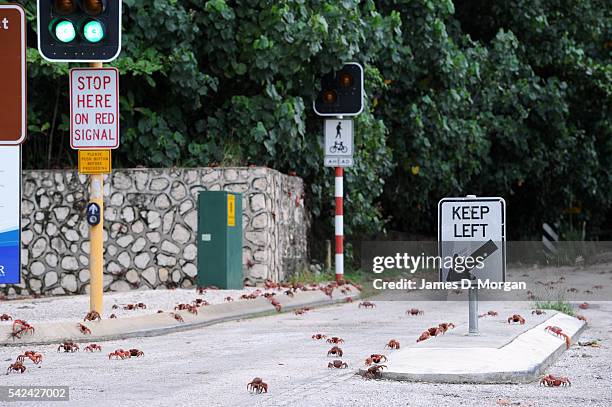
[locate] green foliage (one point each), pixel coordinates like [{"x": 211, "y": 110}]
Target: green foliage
[
  {"x": 498, "y": 95},
  {"x": 507, "y": 98},
  {"x": 558, "y": 305}
]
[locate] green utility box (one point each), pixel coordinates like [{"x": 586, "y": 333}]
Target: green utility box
[{"x": 220, "y": 240}]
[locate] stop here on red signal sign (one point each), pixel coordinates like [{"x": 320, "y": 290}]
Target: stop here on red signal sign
[{"x": 94, "y": 108}]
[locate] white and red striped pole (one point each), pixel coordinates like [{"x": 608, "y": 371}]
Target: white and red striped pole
[{"x": 339, "y": 223}]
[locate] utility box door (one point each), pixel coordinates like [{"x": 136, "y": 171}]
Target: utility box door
[{"x": 220, "y": 239}]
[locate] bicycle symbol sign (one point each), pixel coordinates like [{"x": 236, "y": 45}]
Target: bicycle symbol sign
[
  {"x": 338, "y": 142},
  {"x": 338, "y": 147}
]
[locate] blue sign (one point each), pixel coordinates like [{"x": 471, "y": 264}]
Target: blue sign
[
  {"x": 10, "y": 215},
  {"x": 93, "y": 214}
]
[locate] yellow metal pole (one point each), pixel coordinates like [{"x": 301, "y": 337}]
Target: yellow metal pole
[{"x": 96, "y": 239}]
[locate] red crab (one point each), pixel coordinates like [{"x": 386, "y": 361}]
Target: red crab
[
  {"x": 337, "y": 364},
  {"x": 301, "y": 311},
  {"x": 120, "y": 353},
  {"x": 581, "y": 317},
  {"x": 92, "y": 316},
  {"x": 6, "y": 317},
  {"x": 584, "y": 305},
  {"x": 113, "y": 316},
  {"x": 131, "y": 307},
  {"x": 555, "y": 381},
  {"x": 136, "y": 353},
  {"x": 327, "y": 290},
  {"x": 191, "y": 308},
  {"x": 228, "y": 299},
  {"x": 289, "y": 293},
  {"x": 538, "y": 312},
  {"x": 93, "y": 347},
  {"x": 271, "y": 285},
  {"x": 32, "y": 355},
  {"x": 415, "y": 311},
  {"x": 489, "y": 314},
  {"x": 516, "y": 318},
  {"x": 375, "y": 358},
  {"x": 199, "y": 302},
  {"x": 335, "y": 351},
  {"x": 335, "y": 340},
  {"x": 373, "y": 372},
  {"x": 559, "y": 332},
  {"x": 318, "y": 337},
  {"x": 434, "y": 331},
  {"x": 84, "y": 330},
  {"x": 68, "y": 347},
  {"x": 257, "y": 385},
  {"x": 393, "y": 344},
  {"x": 251, "y": 296},
  {"x": 177, "y": 317},
  {"x": 20, "y": 327},
  {"x": 16, "y": 367},
  {"x": 445, "y": 326},
  {"x": 424, "y": 336},
  {"x": 348, "y": 299},
  {"x": 276, "y": 304},
  {"x": 367, "y": 304}
]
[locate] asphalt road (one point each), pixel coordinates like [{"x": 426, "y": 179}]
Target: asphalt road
[{"x": 212, "y": 366}]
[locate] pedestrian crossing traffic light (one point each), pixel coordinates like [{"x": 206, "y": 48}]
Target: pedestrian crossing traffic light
[
  {"x": 341, "y": 92},
  {"x": 79, "y": 30}
]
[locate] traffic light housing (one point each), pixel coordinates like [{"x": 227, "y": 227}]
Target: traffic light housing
[
  {"x": 341, "y": 92},
  {"x": 79, "y": 30}
]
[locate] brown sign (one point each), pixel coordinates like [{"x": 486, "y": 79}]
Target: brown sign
[{"x": 12, "y": 74}]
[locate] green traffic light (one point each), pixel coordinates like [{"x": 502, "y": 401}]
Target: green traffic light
[
  {"x": 64, "y": 31},
  {"x": 93, "y": 31}
]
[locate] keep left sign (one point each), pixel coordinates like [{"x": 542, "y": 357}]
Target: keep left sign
[{"x": 94, "y": 108}]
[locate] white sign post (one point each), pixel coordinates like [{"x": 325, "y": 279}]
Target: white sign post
[
  {"x": 10, "y": 214},
  {"x": 339, "y": 142},
  {"x": 94, "y": 108},
  {"x": 472, "y": 231}
]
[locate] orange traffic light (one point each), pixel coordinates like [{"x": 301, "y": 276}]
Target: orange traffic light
[
  {"x": 345, "y": 80},
  {"x": 64, "y": 6},
  {"x": 94, "y": 7},
  {"x": 330, "y": 96},
  {"x": 341, "y": 92}
]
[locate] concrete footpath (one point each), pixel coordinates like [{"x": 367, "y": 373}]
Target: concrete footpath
[
  {"x": 501, "y": 353},
  {"x": 154, "y": 324}
]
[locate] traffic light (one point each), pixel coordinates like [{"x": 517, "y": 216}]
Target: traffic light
[
  {"x": 341, "y": 92},
  {"x": 79, "y": 30}
]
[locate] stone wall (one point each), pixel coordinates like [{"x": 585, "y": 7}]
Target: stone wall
[{"x": 150, "y": 227}]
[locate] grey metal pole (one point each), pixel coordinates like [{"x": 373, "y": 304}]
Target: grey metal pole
[
  {"x": 473, "y": 294},
  {"x": 473, "y": 300}
]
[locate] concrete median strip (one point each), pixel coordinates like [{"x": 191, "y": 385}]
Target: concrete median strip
[
  {"x": 489, "y": 359},
  {"x": 165, "y": 323}
]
